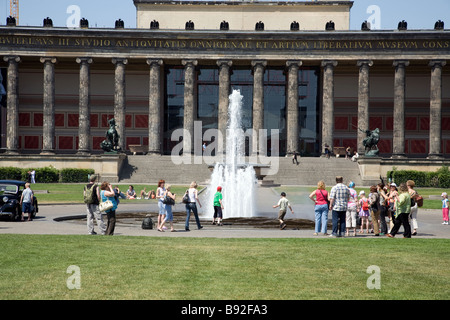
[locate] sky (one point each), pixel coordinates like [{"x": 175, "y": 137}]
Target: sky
[{"x": 384, "y": 14}]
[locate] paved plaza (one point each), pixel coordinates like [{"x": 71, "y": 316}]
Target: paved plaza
[{"x": 429, "y": 222}]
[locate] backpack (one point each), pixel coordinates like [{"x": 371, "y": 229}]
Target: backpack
[
  {"x": 147, "y": 223},
  {"x": 88, "y": 194},
  {"x": 365, "y": 205}
]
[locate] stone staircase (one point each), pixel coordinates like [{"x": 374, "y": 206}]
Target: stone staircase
[
  {"x": 149, "y": 169},
  {"x": 311, "y": 170}
]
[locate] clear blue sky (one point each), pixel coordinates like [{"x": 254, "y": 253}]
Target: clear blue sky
[{"x": 419, "y": 14}]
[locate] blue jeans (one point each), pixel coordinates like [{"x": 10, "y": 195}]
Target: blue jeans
[
  {"x": 191, "y": 206},
  {"x": 321, "y": 218},
  {"x": 169, "y": 215},
  {"x": 338, "y": 219}
]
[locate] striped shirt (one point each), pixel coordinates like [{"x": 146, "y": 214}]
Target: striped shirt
[{"x": 341, "y": 194}]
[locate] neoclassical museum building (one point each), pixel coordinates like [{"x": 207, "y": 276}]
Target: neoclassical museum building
[{"x": 298, "y": 65}]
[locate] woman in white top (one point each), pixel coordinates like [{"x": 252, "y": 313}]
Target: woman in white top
[
  {"x": 160, "y": 192},
  {"x": 192, "y": 206}
]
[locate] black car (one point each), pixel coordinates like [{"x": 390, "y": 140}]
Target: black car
[{"x": 10, "y": 193}]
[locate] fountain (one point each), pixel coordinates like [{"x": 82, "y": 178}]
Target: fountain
[{"x": 237, "y": 178}]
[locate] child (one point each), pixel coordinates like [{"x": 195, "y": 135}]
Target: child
[
  {"x": 364, "y": 211},
  {"x": 218, "y": 207},
  {"x": 445, "y": 207},
  {"x": 283, "y": 203}
]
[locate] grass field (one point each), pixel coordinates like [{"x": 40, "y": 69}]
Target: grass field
[
  {"x": 35, "y": 267},
  {"x": 48, "y": 193}
]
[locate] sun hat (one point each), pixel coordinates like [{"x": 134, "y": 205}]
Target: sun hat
[
  {"x": 362, "y": 192},
  {"x": 219, "y": 188},
  {"x": 443, "y": 194},
  {"x": 351, "y": 184},
  {"x": 393, "y": 185}
]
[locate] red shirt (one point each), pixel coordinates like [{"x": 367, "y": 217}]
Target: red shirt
[{"x": 321, "y": 199}]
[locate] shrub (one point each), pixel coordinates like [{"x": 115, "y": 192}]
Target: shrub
[
  {"x": 438, "y": 179},
  {"x": 75, "y": 175},
  {"x": 10, "y": 173},
  {"x": 46, "y": 175}
]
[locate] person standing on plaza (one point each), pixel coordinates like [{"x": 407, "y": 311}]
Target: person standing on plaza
[
  {"x": 26, "y": 201},
  {"x": 320, "y": 198},
  {"x": 352, "y": 210},
  {"x": 169, "y": 210},
  {"x": 444, "y": 208},
  {"x": 192, "y": 205},
  {"x": 339, "y": 196},
  {"x": 374, "y": 202},
  {"x": 402, "y": 211},
  {"x": 283, "y": 204},
  {"x": 414, "y": 206},
  {"x": 107, "y": 193},
  {"x": 364, "y": 211},
  {"x": 383, "y": 208},
  {"x": 218, "y": 207},
  {"x": 160, "y": 192},
  {"x": 91, "y": 198}
]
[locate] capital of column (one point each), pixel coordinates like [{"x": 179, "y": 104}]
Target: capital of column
[
  {"x": 8, "y": 59},
  {"x": 294, "y": 63},
  {"x": 189, "y": 62},
  {"x": 329, "y": 63},
  {"x": 400, "y": 63},
  {"x": 52, "y": 60},
  {"x": 224, "y": 63},
  {"x": 84, "y": 60},
  {"x": 119, "y": 61},
  {"x": 437, "y": 63},
  {"x": 362, "y": 63},
  {"x": 260, "y": 63},
  {"x": 152, "y": 62}
]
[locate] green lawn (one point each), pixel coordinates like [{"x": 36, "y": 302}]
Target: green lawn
[
  {"x": 48, "y": 193},
  {"x": 120, "y": 267}
]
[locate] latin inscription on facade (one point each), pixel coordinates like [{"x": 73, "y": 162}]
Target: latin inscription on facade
[{"x": 192, "y": 45}]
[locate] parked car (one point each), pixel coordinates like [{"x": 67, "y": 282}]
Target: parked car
[{"x": 10, "y": 193}]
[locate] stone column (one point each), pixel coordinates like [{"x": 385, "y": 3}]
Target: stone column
[
  {"x": 154, "y": 107},
  {"x": 399, "y": 109},
  {"x": 224, "y": 101},
  {"x": 292, "y": 106},
  {"x": 435, "y": 151},
  {"x": 12, "y": 116},
  {"x": 363, "y": 103},
  {"x": 84, "y": 130},
  {"x": 258, "y": 105},
  {"x": 120, "y": 99},
  {"x": 189, "y": 104},
  {"x": 328, "y": 103},
  {"x": 48, "y": 136}
]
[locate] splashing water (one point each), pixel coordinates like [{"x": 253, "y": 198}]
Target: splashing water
[{"x": 237, "y": 178}]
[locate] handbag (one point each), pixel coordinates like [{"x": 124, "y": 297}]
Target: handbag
[
  {"x": 168, "y": 200},
  {"x": 186, "y": 197},
  {"x": 105, "y": 205}
]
